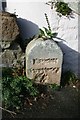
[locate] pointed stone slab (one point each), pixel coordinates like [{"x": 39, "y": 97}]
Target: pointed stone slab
[{"x": 44, "y": 61}]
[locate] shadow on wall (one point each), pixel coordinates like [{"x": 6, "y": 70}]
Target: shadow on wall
[
  {"x": 27, "y": 28},
  {"x": 4, "y": 5},
  {"x": 71, "y": 59}
]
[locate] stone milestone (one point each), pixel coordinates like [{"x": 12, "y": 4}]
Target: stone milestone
[{"x": 44, "y": 61}]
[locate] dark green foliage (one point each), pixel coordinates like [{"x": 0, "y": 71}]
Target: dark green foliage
[
  {"x": 42, "y": 33},
  {"x": 47, "y": 34},
  {"x": 7, "y": 72},
  {"x": 54, "y": 86},
  {"x": 15, "y": 89},
  {"x": 68, "y": 77},
  {"x": 63, "y": 9}
]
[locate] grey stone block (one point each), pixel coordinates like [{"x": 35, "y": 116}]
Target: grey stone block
[{"x": 44, "y": 61}]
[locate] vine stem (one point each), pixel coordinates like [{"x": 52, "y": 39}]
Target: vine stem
[
  {"x": 11, "y": 112},
  {"x": 47, "y": 22},
  {"x": 76, "y": 12}
]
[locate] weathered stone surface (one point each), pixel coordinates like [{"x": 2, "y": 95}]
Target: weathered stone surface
[
  {"x": 13, "y": 57},
  {"x": 44, "y": 61},
  {"x": 10, "y": 50},
  {"x": 9, "y": 30}
]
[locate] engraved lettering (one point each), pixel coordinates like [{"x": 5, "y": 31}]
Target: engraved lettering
[{"x": 33, "y": 61}]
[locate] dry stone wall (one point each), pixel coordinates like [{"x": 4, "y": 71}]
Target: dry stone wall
[
  {"x": 11, "y": 52},
  {"x": 10, "y": 30}
]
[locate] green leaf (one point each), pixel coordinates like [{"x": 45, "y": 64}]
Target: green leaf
[
  {"x": 46, "y": 30},
  {"x": 41, "y": 32},
  {"x": 13, "y": 87},
  {"x": 54, "y": 35}
]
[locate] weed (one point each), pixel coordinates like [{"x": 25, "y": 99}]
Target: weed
[
  {"x": 63, "y": 9},
  {"x": 47, "y": 32},
  {"x": 54, "y": 86},
  {"x": 15, "y": 89},
  {"x": 68, "y": 77}
]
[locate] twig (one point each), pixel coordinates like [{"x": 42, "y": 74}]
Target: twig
[
  {"x": 29, "y": 102},
  {"x": 8, "y": 111},
  {"x": 76, "y": 12}
]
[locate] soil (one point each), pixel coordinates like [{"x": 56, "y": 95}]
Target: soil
[{"x": 61, "y": 103}]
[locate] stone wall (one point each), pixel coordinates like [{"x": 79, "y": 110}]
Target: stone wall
[
  {"x": 11, "y": 52},
  {"x": 10, "y": 30}
]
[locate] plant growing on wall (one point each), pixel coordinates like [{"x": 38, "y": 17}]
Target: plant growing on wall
[
  {"x": 47, "y": 32},
  {"x": 61, "y": 7}
]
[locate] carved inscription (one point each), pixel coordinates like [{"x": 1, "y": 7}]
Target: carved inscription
[
  {"x": 45, "y": 63},
  {"x": 44, "y": 69},
  {"x": 56, "y": 69},
  {"x": 53, "y": 60}
]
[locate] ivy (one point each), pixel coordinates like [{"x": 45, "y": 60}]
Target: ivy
[{"x": 63, "y": 8}]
